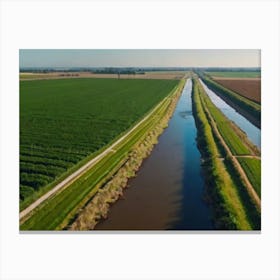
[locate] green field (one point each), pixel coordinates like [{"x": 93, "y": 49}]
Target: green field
[
  {"x": 235, "y": 74},
  {"x": 65, "y": 122},
  {"x": 252, "y": 167},
  {"x": 57, "y": 211}
]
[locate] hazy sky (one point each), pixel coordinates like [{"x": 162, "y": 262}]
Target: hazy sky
[{"x": 139, "y": 58}]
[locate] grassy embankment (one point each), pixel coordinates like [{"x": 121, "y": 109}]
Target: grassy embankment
[
  {"x": 233, "y": 206},
  {"x": 248, "y": 108},
  {"x": 59, "y": 210},
  {"x": 98, "y": 207},
  {"x": 65, "y": 123}
]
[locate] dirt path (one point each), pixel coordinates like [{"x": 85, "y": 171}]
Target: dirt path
[
  {"x": 248, "y": 156},
  {"x": 243, "y": 175},
  {"x": 74, "y": 176}
]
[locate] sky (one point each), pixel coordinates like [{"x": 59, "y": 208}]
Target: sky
[{"x": 138, "y": 58}]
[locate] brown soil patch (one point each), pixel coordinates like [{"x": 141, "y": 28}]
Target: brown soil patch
[{"x": 247, "y": 87}]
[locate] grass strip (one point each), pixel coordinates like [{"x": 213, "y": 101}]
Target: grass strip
[
  {"x": 235, "y": 74},
  {"x": 252, "y": 167}
]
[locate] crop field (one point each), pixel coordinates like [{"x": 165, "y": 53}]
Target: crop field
[
  {"x": 65, "y": 122},
  {"x": 252, "y": 166},
  {"x": 57, "y": 211},
  {"x": 235, "y": 74},
  {"x": 249, "y": 88}
]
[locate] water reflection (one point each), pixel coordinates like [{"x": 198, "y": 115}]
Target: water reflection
[
  {"x": 253, "y": 133},
  {"x": 167, "y": 192}
]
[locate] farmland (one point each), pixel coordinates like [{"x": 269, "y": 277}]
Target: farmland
[
  {"x": 235, "y": 74},
  {"x": 159, "y": 75},
  {"x": 252, "y": 166},
  {"x": 249, "y": 88},
  {"x": 66, "y": 122},
  {"x": 100, "y": 131},
  {"x": 234, "y": 200},
  {"x": 248, "y": 108},
  {"x": 60, "y": 209}
]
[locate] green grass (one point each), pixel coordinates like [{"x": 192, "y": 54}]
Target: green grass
[
  {"x": 252, "y": 167},
  {"x": 229, "y": 212},
  {"x": 58, "y": 210},
  {"x": 235, "y": 74},
  {"x": 65, "y": 122},
  {"x": 236, "y": 145}
]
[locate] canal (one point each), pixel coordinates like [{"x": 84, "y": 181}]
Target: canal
[
  {"x": 168, "y": 191},
  {"x": 253, "y": 132}
]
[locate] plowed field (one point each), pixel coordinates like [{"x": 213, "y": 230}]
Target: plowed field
[{"x": 249, "y": 88}]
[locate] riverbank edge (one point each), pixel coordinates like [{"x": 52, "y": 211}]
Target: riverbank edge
[
  {"x": 216, "y": 174},
  {"x": 99, "y": 206},
  {"x": 240, "y": 104}
]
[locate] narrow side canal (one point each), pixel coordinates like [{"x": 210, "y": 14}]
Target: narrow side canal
[{"x": 253, "y": 132}]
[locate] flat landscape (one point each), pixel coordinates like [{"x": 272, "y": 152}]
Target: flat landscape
[
  {"x": 158, "y": 75},
  {"x": 235, "y": 74},
  {"x": 239, "y": 100},
  {"x": 247, "y": 84},
  {"x": 247, "y": 87},
  {"x": 139, "y": 148},
  {"x": 64, "y": 123}
]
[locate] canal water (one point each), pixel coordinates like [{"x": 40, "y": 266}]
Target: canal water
[
  {"x": 253, "y": 132},
  {"x": 168, "y": 191}
]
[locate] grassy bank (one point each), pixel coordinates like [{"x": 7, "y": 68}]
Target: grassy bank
[
  {"x": 232, "y": 205},
  {"x": 251, "y": 110},
  {"x": 98, "y": 207},
  {"x": 59, "y": 210}
]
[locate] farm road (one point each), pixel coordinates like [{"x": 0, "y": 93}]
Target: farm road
[{"x": 74, "y": 176}]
